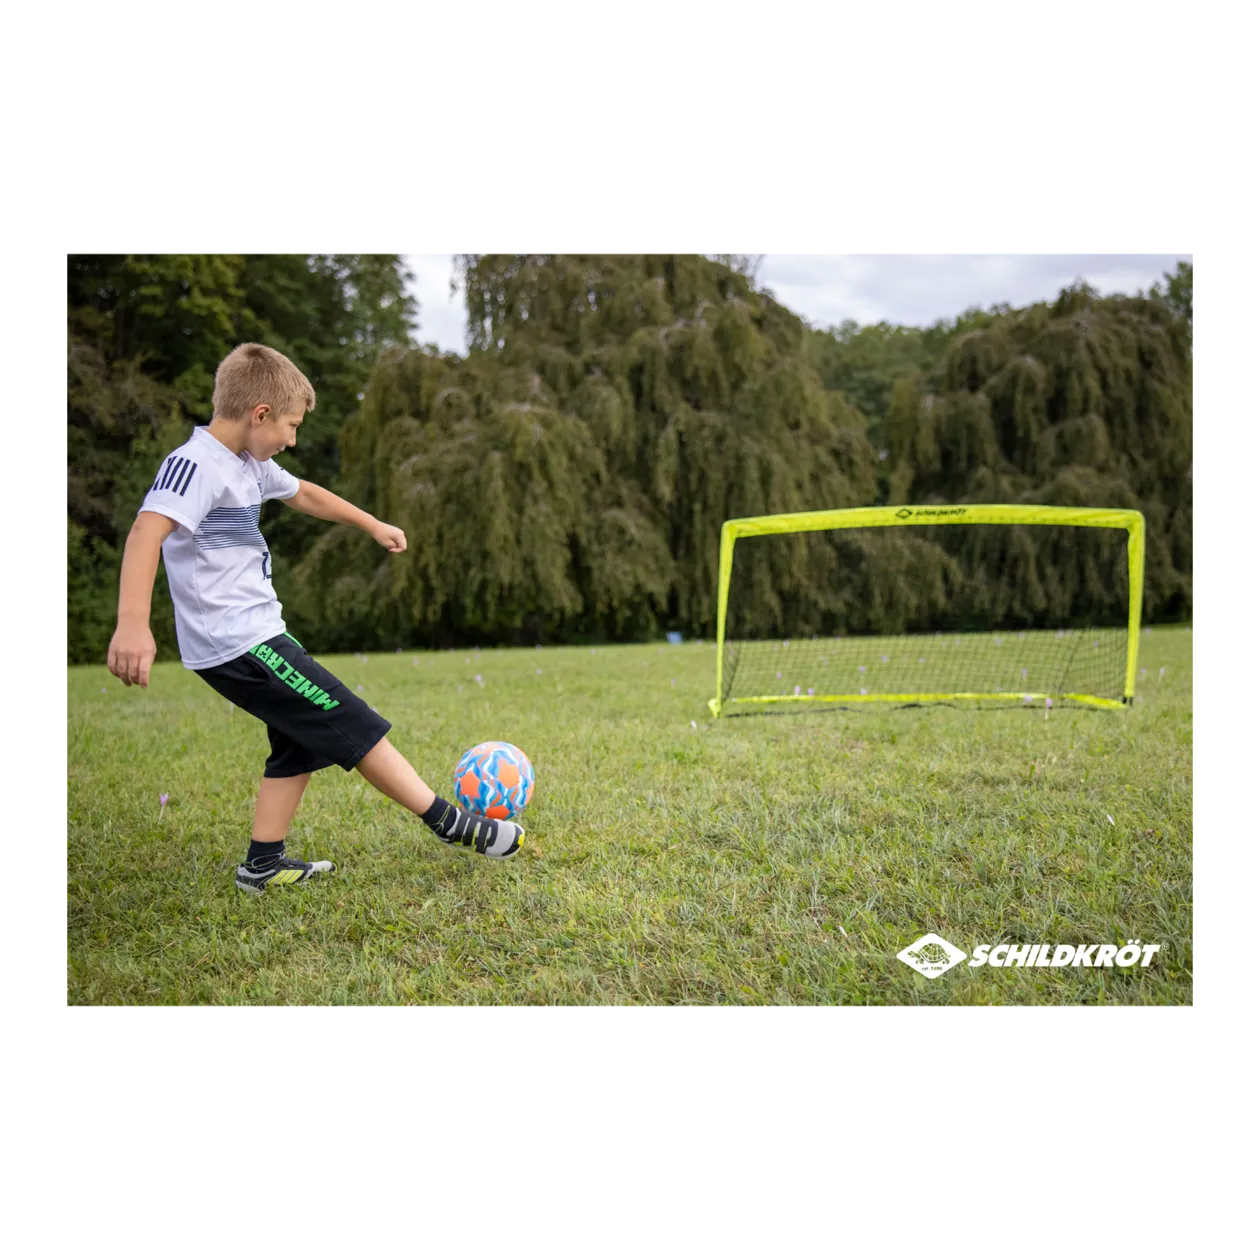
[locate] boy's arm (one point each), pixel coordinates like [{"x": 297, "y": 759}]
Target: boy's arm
[
  {"x": 316, "y": 501},
  {"x": 131, "y": 651}
]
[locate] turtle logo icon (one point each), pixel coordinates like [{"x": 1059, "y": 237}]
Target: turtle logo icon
[
  {"x": 903, "y": 513},
  {"x": 931, "y": 955}
]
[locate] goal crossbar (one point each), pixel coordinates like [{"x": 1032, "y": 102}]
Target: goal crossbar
[{"x": 1131, "y": 521}]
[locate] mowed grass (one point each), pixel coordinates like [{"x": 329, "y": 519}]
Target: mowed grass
[{"x": 777, "y": 859}]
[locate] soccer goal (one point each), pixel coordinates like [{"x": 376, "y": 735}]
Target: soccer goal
[{"x": 984, "y": 604}]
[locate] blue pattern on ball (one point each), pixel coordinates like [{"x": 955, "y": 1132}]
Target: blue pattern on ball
[{"x": 495, "y": 779}]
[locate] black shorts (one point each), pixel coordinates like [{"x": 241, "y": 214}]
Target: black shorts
[{"x": 313, "y": 719}]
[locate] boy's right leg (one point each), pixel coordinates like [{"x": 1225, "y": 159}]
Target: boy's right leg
[
  {"x": 387, "y": 770},
  {"x": 318, "y": 716}
]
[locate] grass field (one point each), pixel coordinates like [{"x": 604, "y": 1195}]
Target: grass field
[{"x": 773, "y": 859}]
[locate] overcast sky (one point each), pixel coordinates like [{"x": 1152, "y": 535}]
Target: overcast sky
[{"x": 826, "y": 289}]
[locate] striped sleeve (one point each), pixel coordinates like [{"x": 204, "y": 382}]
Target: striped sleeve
[
  {"x": 276, "y": 483},
  {"x": 181, "y": 490}
]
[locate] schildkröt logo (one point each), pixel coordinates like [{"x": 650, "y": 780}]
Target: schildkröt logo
[
  {"x": 905, "y": 513},
  {"x": 932, "y": 955}
]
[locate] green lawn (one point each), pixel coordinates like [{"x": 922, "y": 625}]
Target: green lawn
[{"x": 774, "y": 859}]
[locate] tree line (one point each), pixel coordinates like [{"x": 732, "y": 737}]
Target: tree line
[{"x": 566, "y": 479}]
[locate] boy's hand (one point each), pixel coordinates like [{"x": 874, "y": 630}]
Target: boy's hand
[
  {"x": 131, "y": 652},
  {"x": 389, "y": 536}
]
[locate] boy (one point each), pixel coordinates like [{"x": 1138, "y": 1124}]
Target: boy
[{"x": 202, "y": 514}]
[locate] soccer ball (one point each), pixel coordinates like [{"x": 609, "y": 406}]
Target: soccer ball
[{"x": 494, "y": 779}]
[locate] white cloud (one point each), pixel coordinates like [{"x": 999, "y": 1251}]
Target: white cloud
[
  {"x": 442, "y": 317},
  {"x": 922, "y": 288},
  {"x": 827, "y": 289}
]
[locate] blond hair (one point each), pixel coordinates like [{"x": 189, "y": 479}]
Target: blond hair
[{"x": 253, "y": 375}]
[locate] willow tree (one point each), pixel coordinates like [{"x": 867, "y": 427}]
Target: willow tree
[
  {"x": 1085, "y": 401},
  {"x": 145, "y": 334},
  {"x": 570, "y": 477}
]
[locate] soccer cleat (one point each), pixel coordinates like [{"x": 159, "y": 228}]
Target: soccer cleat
[
  {"x": 285, "y": 871},
  {"x": 494, "y": 837}
]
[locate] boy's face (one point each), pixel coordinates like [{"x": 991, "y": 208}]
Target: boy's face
[{"x": 270, "y": 434}]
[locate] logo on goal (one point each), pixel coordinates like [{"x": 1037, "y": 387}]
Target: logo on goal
[
  {"x": 904, "y": 514},
  {"x": 932, "y": 955}
]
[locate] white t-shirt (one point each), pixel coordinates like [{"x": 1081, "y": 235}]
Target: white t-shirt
[{"x": 217, "y": 562}]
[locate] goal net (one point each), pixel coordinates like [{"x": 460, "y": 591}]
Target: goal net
[{"x": 984, "y": 604}]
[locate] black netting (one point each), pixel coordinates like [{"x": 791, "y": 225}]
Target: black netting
[{"x": 961, "y": 610}]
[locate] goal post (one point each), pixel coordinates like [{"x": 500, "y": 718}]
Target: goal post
[{"x": 1076, "y": 661}]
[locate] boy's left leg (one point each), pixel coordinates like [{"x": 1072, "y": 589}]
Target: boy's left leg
[
  {"x": 277, "y": 802},
  {"x": 289, "y": 770}
]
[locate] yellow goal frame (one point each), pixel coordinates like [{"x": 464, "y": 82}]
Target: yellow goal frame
[{"x": 940, "y": 514}]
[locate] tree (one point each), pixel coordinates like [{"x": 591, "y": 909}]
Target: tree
[
  {"x": 145, "y": 335},
  {"x": 569, "y": 479},
  {"x": 1082, "y": 401},
  {"x": 1177, "y": 292}
]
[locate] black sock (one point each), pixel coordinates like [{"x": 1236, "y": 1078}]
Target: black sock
[
  {"x": 457, "y": 826},
  {"x": 439, "y": 813},
  {"x": 264, "y": 854}
]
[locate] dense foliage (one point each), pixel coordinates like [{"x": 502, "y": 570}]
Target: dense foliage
[{"x": 566, "y": 480}]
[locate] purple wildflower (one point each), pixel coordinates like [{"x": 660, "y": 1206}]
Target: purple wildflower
[{"x": 796, "y": 691}]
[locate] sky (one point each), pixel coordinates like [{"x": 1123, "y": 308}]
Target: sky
[{"x": 826, "y": 289}]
